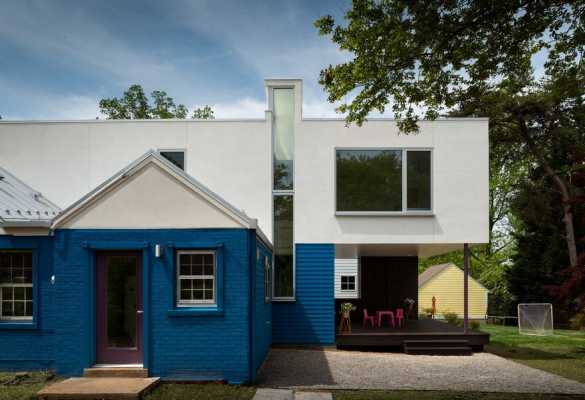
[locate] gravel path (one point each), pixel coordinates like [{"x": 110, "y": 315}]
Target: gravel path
[{"x": 334, "y": 369}]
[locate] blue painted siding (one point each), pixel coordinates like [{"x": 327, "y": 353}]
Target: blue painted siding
[
  {"x": 31, "y": 346},
  {"x": 309, "y": 319},
  {"x": 262, "y": 319}
]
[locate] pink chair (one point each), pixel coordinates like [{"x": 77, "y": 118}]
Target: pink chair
[
  {"x": 400, "y": 317},
  {"x": 368, "y": 318}
]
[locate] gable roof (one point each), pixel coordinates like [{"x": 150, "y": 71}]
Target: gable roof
[
  {"x": 21, "y": 205},
  {"x": 435, "y": 270},
  {"x": 149, "y": 158}
]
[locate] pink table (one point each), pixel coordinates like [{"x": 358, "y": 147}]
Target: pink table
[{"x": 388, "y": 313}]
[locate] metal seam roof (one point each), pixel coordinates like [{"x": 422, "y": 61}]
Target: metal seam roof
[{"x": 19, "y": 203}]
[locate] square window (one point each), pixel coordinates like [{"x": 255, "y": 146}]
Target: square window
[
  {"x": 196, "y": 278},
  {"x": 347, "y": 282},
  {"x": 16, "y": 285}
]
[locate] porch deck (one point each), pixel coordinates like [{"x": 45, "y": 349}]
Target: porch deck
[{"x": 426, "y": 329}]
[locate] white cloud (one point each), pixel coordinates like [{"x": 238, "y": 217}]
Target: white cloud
[{"x": 246, "y": 107}]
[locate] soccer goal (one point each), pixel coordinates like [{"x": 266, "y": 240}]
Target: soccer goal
[{"x": 535, "y": 319}]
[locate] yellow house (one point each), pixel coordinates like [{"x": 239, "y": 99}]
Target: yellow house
[{"x": 445, "y": 283}]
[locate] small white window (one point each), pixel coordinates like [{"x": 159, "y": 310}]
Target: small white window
[
  {"x": 16, "y": 285},
  {"x": 267, "y": 280},
  {"x": 196, "y": 278},
  {"x": 347, "y": 282}
]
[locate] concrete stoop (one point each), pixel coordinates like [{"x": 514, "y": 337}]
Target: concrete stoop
[
  {"x": 110, "y": 388},
  {"x": 287, "y": 394}
]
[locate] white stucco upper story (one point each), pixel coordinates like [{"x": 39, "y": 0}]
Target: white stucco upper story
[{"x": 66, "y": 159}]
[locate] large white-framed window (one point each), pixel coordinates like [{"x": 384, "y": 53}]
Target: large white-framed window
[
  {"x": 196, "y": 278},
  {"x": 176, "y": 156},
  {"x": 383, "y": 181},
  {"x": 267, "y": 280},
  {"x": 16, "y": 285}
]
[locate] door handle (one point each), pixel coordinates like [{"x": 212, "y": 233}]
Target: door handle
[{"x": 139, "y": 311}]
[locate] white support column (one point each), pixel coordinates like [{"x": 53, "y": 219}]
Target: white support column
[{"x": 465, "y": 287}]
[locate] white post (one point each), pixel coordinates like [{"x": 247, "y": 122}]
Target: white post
[{"x": 465, "y": 287}]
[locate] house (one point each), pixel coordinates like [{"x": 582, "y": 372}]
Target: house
[
  {"x": 208, "y": 241},
  {"x": 444, "y": 282}
]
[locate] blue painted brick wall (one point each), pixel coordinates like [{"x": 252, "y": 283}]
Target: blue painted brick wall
[
  {"x": 194, "y": 347},
  {"x": 28, "y": 349},
  {"x": 309, "y": 319},
  {"x": 262, "y": 332}
]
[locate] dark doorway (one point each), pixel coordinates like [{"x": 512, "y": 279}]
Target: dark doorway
[{"x": 119, "y": 308}]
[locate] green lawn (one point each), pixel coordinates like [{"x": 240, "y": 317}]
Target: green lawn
[
  {"x": 562, "y": 353},
  {"x": 22, "y": 386},
  {"x": 426, "y": 395},
  {"x": 203, "y": 391}
]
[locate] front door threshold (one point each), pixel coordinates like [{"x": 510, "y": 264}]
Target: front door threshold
[{"x": 116, "y": 371}]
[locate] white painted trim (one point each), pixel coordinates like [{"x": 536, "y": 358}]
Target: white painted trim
[
  {"x": 130, "y": 121},
  {"x": 117, "y": 366},
  {"x": 195, "y": 303}
]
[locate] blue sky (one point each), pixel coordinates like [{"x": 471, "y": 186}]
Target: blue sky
[{"x": 59, "y": 57}]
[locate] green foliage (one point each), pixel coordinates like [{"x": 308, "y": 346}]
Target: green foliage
[
  {"x": 135, "y": 105},
  {"x": 204, "y": 112},
  {"x": 474, "y": 325},
  {"x": 451, "y": 318}
]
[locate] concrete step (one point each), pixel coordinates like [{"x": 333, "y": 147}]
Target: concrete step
[
  {"x": 273, "y": 394},
  {"x": 436, "y": 351},
  {"x": 115, "y": 372},
  {"x": 313, "y": 396},
  {"x": 98, "y": 388}
]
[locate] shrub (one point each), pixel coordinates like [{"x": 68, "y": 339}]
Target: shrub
[
  {"x": 451, "y": 318},
  {"x": 578, "y": 321},
  {"x": 474, "y": 325}
]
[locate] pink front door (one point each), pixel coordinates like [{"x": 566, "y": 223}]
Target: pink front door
[{"x": 119, "y": 307}]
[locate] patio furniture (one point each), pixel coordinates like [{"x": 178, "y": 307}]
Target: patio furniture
[
  {"x": 387, "y": 313},
  {"x": 400, "y": 317},
  {"x": 368, "y": 318}
]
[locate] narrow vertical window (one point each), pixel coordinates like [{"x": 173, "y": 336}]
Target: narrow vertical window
[
  {"x": 16, "y": 285},
  {"x": 283, "y": 191},
  {"x": 283, "y": 246},
  {"x": 418, "y": 178},
  {"x": 267, "y": 280},
  {"x": 283, "y": 138}
]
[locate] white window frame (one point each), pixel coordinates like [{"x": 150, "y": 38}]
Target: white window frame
[
  {"x": 267, "y": 280},
  {"x": 354, "y": 283},
  {"x": 175, "y": 150},
  {"x": 193, "y": 302},
  {"x": 13, "y": 286},
  {"x": 404, "y": 211}
]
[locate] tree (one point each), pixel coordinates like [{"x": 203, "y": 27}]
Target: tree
[
  {"x": 135, "y": 105},
  {"x": 440, "y": 57},
  {"x": 204, "y": 112}
]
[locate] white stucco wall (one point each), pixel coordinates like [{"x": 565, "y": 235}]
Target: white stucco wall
[
  {"x": 460, "y": 183},
  {"x": 65, "y": 160}
]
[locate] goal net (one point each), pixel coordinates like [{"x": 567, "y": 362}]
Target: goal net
[{"x": 535, "y": 319}]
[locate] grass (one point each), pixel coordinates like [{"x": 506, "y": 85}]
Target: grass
[
  {"x": 432, "y": 395},
  {"x": 22, "y": 386},
  {"x": 562, "y": 353},
  {"x": 201, "y": 391}
]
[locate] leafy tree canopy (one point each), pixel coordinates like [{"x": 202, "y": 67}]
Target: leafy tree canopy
[{"x": 135, "y": 105}]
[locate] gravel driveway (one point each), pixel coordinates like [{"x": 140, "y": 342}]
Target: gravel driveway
[{"x": 335, "y": 369}]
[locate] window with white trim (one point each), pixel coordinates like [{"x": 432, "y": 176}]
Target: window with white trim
[
  {"x": 347, "y": 282},
  {"x": 267, "y": 280},
  {"x": 16, "y": 285},
  {"x": 196, "y": 278}
]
